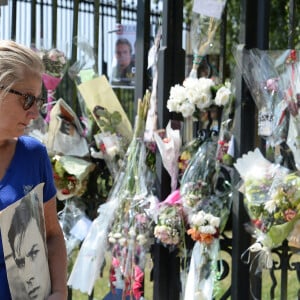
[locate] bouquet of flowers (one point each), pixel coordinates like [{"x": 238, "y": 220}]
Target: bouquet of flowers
[
  {"x": 170, "y": 222},
  {"x": 198, "y": 95},
  {"x": 272, "y": 201},
  {"x": 206, "y": 196},
  {"x": 70, "y": 175},
  {"x": 55, "y": 63},
  {"x": 195, "y": 182},
  {"x": 126, "y": 222},
  {"x": 262, "y": 77},
  {"x": 290, "y": 87}
]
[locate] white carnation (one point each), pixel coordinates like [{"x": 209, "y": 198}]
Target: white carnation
[{"x": 173, "y": 105}]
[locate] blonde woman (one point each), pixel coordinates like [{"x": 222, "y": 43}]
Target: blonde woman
[{"x": 24, "y": 162}]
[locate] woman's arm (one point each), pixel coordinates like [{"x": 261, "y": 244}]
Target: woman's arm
[{"x": 57, "y": 255}]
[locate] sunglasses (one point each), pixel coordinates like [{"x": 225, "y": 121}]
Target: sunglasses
[{"x": 29, "y": 100}]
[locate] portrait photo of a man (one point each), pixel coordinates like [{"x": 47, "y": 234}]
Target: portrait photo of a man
[
  {"x": 123, "y": 65},
  {"x": 23, "y": 236}
]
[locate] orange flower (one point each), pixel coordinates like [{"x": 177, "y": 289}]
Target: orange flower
[{"x": 200, "y": 237}]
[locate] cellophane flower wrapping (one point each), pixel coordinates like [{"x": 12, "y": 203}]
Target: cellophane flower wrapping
[
  {"x": 111, "y": 150},
  {"x": 262, "y": 78},
  {"x": 82, "y": 70},
  {"x": 203, "y": 31},
  {"x": 272, "y": 201},
  {"x": 129, "y": 236},
  {"x": 290, "y": 87},
  {"x": 206, "y": 196},
  {"x": 170, "y": 223},
  {"x": 71, "y": 175},
  {"x": 122, "y": 226},
  {"x": 195, "y": 182},
  {"x": 55, "y": 63},
  {"x": 74, "y": 224},
  {"x": 169, "y": 148}
]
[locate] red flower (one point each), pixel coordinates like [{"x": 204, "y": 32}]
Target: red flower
[
  {"x": 56, "y": 176},
  {"x": 65, "y": 191}
]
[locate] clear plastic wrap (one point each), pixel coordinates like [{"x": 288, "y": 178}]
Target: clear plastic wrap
[
  {"x": 122, "y": 226},
  {"x": 203, "y": 30},
  {"x": 74, "y": 224},
  {"x": 261, "y": 76},
  {"x": 271, "y": 199},
  {"x": 206, "y": 197}
]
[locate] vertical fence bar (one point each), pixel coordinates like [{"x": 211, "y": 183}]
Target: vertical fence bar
[
  {"x": 142, "y": 47},
  {"x": 74, "y": 48},
  {"x": 41, "y": 22},
  {"x": 119, "y": 12},
  {"x": 244, "y": 132},
  {"x": 170, "y": 71},
  {"x": 223, "y": 45},
  {"x": 54, "y": 23},
  {"x": 33, "y": 22},
  {"x": 14, "y": 20},
  {"x": 292, "y": 22},
  {"x": 96, "y": 33}
]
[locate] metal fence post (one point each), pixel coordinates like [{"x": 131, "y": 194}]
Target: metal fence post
[{"x": 170, "y": 71}]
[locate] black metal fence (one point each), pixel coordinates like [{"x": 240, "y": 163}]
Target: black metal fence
[{"x": 58, "y": 23}]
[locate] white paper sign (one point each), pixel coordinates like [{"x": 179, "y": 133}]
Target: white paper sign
[
  {"x": 81, "y": 228},
  {"x": 210, "y": 8}
]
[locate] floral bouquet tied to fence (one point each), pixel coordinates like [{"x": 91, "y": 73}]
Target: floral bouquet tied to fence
[
  {"x": 123, "y": 226},
  {"x": 272, "y": 200},
  {"x": 55, "y": 63},
  {"x": 262, "y": 78},
  {"x": 206, "y": 198}
]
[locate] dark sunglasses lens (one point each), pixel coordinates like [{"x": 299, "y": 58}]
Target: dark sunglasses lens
[{"x": 29, "y": 100}]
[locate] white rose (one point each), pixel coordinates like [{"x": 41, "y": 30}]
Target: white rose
[
  {"x": 192, "y": 95},
  {"x": 178, "y": 93},
  {"x": 204, "y": 101},
  {"x": 187, "y": 109},
  {"x": 205, "y": 84},
  {"x": 173, "y": 105},
  {"x": 222, "y": 96},
  {"x": 190, "y": 83}
]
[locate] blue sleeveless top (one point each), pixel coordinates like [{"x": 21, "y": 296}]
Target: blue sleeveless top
[{"x": 29, "y": 167}]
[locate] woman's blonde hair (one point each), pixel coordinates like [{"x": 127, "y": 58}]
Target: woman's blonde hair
[{"x": 17, "y": 62}]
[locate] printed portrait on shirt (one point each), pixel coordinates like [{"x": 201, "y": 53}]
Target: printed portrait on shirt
[{"x": 23, "y": 237}]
